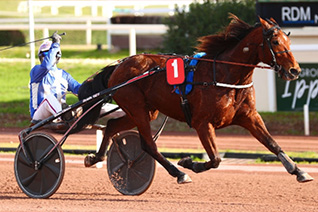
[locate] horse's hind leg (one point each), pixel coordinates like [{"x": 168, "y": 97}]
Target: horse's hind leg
[
  {"x": 150, "y": 147},
  {"x": 257, "y": 127},
  {"x": 206, "y": 134},
  {"x": 113, "y": 126},
  {"x": 141, "y": 116}
]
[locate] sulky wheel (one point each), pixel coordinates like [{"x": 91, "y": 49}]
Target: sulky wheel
[
  {"x": 130, "y": 169},
  {"x": 39, "y": 180}
]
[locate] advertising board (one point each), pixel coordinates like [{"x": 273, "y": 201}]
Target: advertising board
[
  {"x": 293, "y": 95},
  {"x": 289, "y": 13}
]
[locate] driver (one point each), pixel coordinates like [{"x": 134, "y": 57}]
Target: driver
[{"x": 48, "y": 83}]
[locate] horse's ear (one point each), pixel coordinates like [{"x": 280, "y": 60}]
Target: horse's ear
[
  {"x": 273, "y": 20},
  {"x": 264, "y": 23}
]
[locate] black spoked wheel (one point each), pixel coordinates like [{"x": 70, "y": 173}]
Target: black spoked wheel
[
  {"x": 39, "y": 180},
  {"x": 130, "y": 169}
]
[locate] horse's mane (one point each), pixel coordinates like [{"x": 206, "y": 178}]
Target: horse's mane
[{"x": 228, "y": 38}]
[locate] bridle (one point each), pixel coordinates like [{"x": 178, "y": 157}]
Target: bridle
[{"x": 267, "y": 37}]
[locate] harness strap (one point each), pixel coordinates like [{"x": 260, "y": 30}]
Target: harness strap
[
  {"x": 282, "y": 52},
  {"x": 220, "y": 84},
  {"x": 214, "y": 71},
  {"x": 186, "y": 110},
  {"x": 185, "y": 104}
]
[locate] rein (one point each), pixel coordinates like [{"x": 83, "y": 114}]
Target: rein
[
  {"x": 214, "y": 61},
  {"x": 267, "y": 35}
]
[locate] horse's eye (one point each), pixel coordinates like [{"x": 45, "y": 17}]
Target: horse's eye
[{"x": 275, "y": 42}]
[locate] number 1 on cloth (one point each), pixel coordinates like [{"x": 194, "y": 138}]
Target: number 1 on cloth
[{"x": 175, "y": 71}]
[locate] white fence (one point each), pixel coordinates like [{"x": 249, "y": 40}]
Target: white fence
[
  {"x": 88, "y": 26},
  {"x": 137, "y": 7},
  {"x": 108, "y": 8}
]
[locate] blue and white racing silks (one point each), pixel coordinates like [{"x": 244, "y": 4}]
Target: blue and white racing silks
[{"x": 47, "y": 79}]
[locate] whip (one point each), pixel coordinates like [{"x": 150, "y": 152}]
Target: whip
[{"x": 23, "y": 44}]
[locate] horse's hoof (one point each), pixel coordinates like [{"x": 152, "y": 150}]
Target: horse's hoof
[
  {"x": 92, "y": 159},
  {"x": 303, "y": 177},
  {"x": 184, "y": 179}
]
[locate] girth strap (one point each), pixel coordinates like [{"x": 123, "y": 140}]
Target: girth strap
[
  {"x": 220, "y": 84},
  {"x": 185, "y": 105}
]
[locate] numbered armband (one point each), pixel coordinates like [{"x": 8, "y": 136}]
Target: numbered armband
[{"x": 175, "y": 71}]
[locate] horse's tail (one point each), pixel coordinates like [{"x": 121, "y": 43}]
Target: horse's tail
[
  {"x": 96, "y": 84},
  {"x": 89, "y": 87}
]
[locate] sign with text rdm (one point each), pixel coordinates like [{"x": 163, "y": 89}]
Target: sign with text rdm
[
  {"x": 292, "y": 95},
  {"x": 290, "y": 13}
]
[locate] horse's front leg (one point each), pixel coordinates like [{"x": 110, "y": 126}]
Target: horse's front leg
[
  {"x": 254, "y": 123},
  {"x": 206, "y": 133}
]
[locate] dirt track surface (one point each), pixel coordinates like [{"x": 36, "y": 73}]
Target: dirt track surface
[
  {"x": 185, "y": 141},
  {"x": 231, "y": 187}
]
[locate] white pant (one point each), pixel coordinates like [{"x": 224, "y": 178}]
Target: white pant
[
  {"x": 108, "y": 107},
  {"x": 48, "y": 107},
  {"x": 51, "y": 106}
]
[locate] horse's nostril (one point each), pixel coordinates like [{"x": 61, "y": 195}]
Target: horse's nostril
[{"x": 294, "y": 71}]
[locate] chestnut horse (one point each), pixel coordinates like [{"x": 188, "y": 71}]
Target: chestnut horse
[{"x": 212, "y": 105}]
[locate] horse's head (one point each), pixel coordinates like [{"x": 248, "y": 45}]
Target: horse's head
[{"x": 276, "y": 50}]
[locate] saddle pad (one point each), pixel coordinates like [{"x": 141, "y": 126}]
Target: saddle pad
[{"x": 189, "y": 77}]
